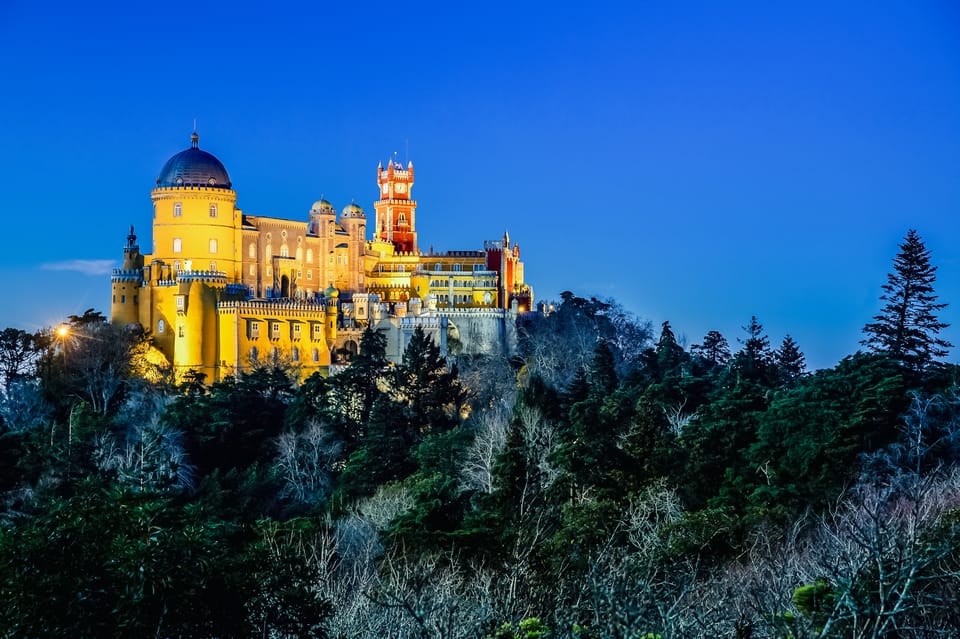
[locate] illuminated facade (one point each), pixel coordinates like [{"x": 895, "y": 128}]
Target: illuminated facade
[{"x": 223, "y": 290}]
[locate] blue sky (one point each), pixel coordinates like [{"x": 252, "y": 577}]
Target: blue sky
[{"x": 698, "y": 162}]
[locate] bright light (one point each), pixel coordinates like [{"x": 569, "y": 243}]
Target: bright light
[{"x": 62, "y": 332}]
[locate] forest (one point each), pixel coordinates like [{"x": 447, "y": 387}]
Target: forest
[{"x": 605, "y": 481}]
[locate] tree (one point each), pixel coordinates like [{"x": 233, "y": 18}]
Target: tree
[
  {"x": 714, "y": 349},
  {"x": 907, "y": 326},
  {"x": 790, "y": 361},
  {"x": 19, "y": 351},
  {"x": 755, "y": 360}
]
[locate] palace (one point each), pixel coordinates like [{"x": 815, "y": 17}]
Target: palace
[{"x": 223, "y": 290}]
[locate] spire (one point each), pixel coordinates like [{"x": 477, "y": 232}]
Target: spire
[{"x": 195, "y": 138}]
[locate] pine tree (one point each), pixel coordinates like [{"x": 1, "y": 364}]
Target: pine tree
[
  {"x": 907, "y": 326},
  {"x": 715, "y": 349},
  {"x": 790, "y": 361}
]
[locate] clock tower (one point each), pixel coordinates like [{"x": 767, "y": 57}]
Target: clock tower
[{"x": 395, "y": 210}]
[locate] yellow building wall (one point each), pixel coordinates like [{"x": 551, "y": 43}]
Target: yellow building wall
[{"x": 188, "y": 238}]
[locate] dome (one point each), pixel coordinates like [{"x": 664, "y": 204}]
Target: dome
[
  {"x": 321, "y": 205},
  {"x": 194, "y": 167},
  {"x": 352, "y": 210},
  {"x": 331, "y": 292}
]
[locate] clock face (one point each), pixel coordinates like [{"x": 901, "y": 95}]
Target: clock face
[{"x": 401, "y": 188}]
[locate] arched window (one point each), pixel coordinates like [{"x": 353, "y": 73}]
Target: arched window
[
  {"x": 402, "y": 218},
  {"x": 213, "y": 245},
  {"x": 284, "y": 251},
  {"x": 268, "y": 252},
  {"x": 213, "y": 210},
  {"x": 177, "y": 245},
  {"x": 309, "y": 256},
  {"x": 253, "y": 250},
  {"x": 299, "y": 254},
  {"x": 253, "y": 269},
  {"x": 295, "y": 354},
  {"x": 160, "y": 326},
  {"x": 316, "y": 355},
  {"x": 177, "y": 209}
]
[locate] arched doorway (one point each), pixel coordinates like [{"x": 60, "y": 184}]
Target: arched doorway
[{"x": 285, "y": 286}]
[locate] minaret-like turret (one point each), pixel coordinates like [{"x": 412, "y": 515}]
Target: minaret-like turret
[{"x": 125, "y": 282}]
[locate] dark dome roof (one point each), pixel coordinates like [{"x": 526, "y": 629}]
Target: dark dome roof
[{"x": 194, "y": 167}]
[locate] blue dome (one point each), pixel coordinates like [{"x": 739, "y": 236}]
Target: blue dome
[{"x": 194, "y": 167}]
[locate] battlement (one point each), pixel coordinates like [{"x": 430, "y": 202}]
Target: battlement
[
  {"x": 265, "y": 306},
  {"x": 217, "y": 277},
  {"x": 126, "y": 275}
]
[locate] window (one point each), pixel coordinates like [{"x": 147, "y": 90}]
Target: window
[
  {"x": 478, "y": 267},
  {"x": 401, "y": 268},
  {"x": 456, "y": 267},
  {"x": 160, "y": 327},
  {"x": 180, "y": 302},
  {"x": 316, "y": 355},
  {"x": 296, "y": 330},
  {"x": 403, "y": 218},
  {"x": 253, "y": 270},
  {"x": 177, "y": 245},
  {"x": 254, "y": 353},
  {"x": 254, "y": 330},
  {"x": 309, "y": 275},
  {"x": 268, "y": 252},
  {"x": 253, "y": 251},
  {"x": 177, "y": 209},
  {"x": 295, "y": 354},
  {"x": 274, "y": 330},
  {"x": 180, "y": 331},
  {"x": 299, "y": 274},
  {"x": 269, "y": 271},
  {"x": 123, "y": 299},
  {"x": 213, "y": 267},
  {"x": 176, "y": 265},
  {"x": 316, "y": 330},
  {"x": 213, "y": 210},
  {"x": 438, "y": 266},
  {"x": 299, "y": 254},
  {"x": 309, "y": 256},
  {"x": 284, "y": 251},
  {"x": 213, "y": 246}
]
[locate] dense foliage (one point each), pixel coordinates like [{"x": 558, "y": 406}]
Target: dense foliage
[{"x": 608, "y": 481}]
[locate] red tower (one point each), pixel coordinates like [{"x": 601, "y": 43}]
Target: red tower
[{"x": 396, "y": 211}]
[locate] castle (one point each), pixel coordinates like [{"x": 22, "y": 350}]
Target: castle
[{"x": 223, "y": 290}]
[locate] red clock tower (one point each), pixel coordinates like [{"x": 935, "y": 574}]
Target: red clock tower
[{"x": 396, "y": 211}]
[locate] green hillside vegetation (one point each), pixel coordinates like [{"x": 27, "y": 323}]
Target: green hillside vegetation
[{"x": 609, "y": 481}]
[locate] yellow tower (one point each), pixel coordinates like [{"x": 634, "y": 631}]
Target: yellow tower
[{"x": 196, "y": 225}]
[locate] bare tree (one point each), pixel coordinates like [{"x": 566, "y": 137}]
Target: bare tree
[{"x": 306, "y": 460}]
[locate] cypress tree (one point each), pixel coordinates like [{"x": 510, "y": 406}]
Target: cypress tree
[{"x": 907, "y": 327}]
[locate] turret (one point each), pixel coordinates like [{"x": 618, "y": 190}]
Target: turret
[{"x": 125, "y": 284}]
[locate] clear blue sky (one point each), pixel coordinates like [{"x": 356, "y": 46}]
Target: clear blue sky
[{"x": 698, "y": 162}]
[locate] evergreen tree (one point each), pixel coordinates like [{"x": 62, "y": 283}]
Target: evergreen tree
[
  {"x": 791, "y": 363},
  {"x": 755, "y": 360},
  {"x": 715, "y": 349},
  {"x": 907, "y": 326}
]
